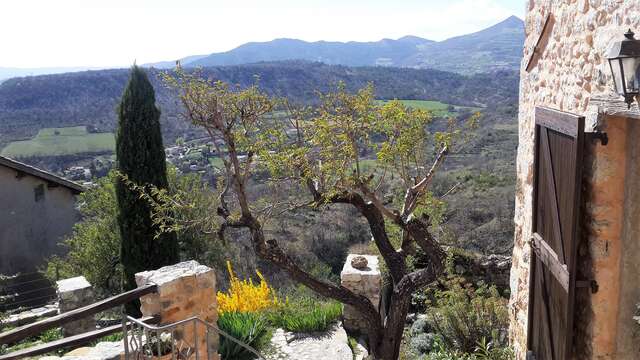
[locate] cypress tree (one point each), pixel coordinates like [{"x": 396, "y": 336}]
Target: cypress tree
[{"x": 140, "y": 156}]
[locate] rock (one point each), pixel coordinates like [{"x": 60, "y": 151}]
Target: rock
[
  {"x": 359, "y": 262},
  {"x": 361, "y": 352},
  {"x": 411, "y": 317},
  {"x": 29, "y": 316},
  {"x": 318, "y": 346},
  {"x": 102, "y": 351}
]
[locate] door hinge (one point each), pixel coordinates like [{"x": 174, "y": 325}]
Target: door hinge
[{"x": 588, "y": 283}]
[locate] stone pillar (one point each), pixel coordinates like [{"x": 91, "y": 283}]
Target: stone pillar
[
  {"x": 361, "y": 275},
  {"x": 74, "y": 293},
  {"x": 185, "y": 290}
]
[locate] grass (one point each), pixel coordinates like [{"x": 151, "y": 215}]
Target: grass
[
  {"x": 250, "y": 328},
  {"x": 437, "y": 107},
  {"x": 306, "y": 315},
  {"x": 42, "y": 338},
  {"x": 61, "y": 141},
  {"x": 216, "y": 162}
]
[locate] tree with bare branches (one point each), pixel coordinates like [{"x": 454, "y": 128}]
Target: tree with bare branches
[{"x": 349, "y": 149}]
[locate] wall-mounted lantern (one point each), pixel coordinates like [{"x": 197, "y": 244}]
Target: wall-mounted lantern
[{"x": 624, "y": 60}]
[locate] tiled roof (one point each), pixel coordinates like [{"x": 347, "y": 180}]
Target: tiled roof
[{"x": 45, "y": 175}]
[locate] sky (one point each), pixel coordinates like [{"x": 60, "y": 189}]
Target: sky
[{"x": 113, "y": 33}]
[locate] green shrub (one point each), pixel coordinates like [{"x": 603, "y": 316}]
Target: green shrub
[
  {"x": 250, "y": 328},
  {"x": 464, "y": 317},
  {"x": 353, "y": 345},
  {"x": 483, "y": 351},
  {"x": 305, "y": 314},
  {"x": 42, "y": 338},
  {"x": 488, "y": 351}
]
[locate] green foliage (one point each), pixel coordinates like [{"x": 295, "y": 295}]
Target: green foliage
[
  {"x": 463, "y": 316},
  {"x": 61, "y": 141},
  {"x": 141, "y": 158},
  {"x": 489, "y": 351},
  {"x": 351, "y": 142},
  {"x": 42, "y": 338},
  {"x": 438, "y": 108},
  {"x": 305, "y": 314},
  {"x": 250, "y": 328},
  {"x": 482, "y": 351},
  {"x": 353, "y": 345},
  {"x": 93, "y": 250}
]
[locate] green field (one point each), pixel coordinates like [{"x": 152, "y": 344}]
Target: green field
[
  {"x": 437, "y": 107},
  {"x": 61, "y": 141}
]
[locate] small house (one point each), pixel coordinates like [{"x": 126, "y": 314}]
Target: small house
[{"x": 37, "y": 211}]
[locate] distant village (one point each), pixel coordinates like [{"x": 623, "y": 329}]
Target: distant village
[{"x": 194, "y": 156}]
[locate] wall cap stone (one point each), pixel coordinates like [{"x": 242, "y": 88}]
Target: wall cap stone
[
  {"x": 72, "y": 284},
  {"x": 371, "y": 269},
  {"x": 170, "y": 273}
]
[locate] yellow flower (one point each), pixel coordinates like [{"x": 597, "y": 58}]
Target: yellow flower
[{"x": 244, "y": 296}]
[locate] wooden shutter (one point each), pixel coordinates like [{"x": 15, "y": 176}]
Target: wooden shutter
[{"x": 559, "y": 138}]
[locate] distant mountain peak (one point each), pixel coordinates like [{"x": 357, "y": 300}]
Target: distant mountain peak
[
  {"x": 414, "y": 39},
  {"x": 511, "y": 21}
]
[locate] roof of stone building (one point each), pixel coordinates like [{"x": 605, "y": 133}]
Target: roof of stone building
[{"x": 22, "y": 168}]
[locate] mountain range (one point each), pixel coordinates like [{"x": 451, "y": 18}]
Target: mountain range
[
  {"x": 90, "y": 97},
  {"x": 498, "y": 47}
]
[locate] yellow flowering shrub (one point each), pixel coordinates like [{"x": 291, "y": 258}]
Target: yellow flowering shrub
[{"x": 245, "y": 296}]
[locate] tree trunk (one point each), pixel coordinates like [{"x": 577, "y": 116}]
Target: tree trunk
[{"x": 387, "y": 346}]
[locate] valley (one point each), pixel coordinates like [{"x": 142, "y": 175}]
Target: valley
[{"x": 74, "y": 140}]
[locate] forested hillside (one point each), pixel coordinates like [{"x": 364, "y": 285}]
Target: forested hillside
[
  {"x": 89, "y": 98},
  {"x": 480, "y": 208}
]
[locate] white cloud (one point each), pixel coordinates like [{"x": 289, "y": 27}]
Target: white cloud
[{"x": 115, "y": 32}]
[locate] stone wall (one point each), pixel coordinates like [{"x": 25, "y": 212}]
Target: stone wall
[
  {"x": 570, "y": 73},
  {"x": 185, "y": 290},
  {"x": 75, "y": 293},
  {"x": 363, "y": 278}
]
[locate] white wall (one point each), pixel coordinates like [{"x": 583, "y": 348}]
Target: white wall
[{"x": 30, "y": 230}]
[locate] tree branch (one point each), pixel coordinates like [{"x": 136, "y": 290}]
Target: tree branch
[
  {"x": 418, "y": 230},
  {"x": 414, "y": 192},
  {"x": 271, "y": 251},
  {"x": 393, "y": 259},
  {"x": 392, "y": 215}
]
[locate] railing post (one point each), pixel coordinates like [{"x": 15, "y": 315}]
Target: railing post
[{"x": 125, "y": 335}]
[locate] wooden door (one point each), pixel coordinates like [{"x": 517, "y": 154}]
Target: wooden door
[{"x": 559, "y": 138}]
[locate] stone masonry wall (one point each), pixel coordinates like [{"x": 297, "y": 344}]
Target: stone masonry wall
[
  {"x": 365, "y": 281},
  {"x": 75, "y": 293},
  {"x": 569, "y": 71},
  {"x": 185, "y": 290}
]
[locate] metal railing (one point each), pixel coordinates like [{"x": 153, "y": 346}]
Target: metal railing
[
  {"x": 15, "y": 335},
  {"x": 144, "y": 341}
]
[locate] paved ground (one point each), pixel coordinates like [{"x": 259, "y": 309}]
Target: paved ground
[
  {"x": 332, "y": 345},
  {"x": 327, "y": 346}
]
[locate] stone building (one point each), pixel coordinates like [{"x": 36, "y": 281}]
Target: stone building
[
  {"x": 37, "y": 210},
  {"x": 566, "y": 72}
]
